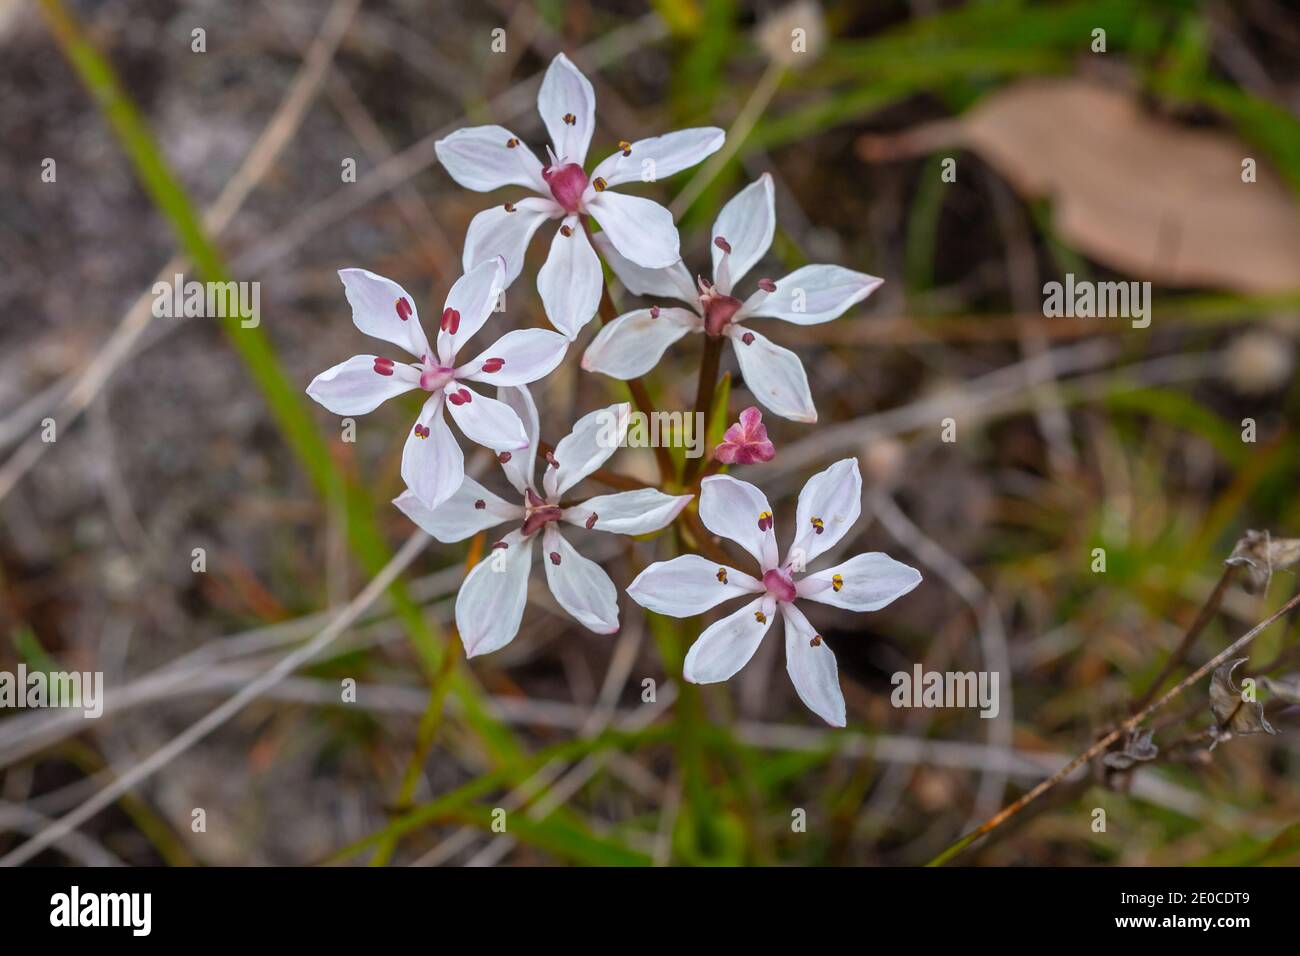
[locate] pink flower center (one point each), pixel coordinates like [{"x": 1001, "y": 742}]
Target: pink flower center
[
  {"x": 568, "y": 182},
  {"x": 779, "y": 584},
  {"x": 435, "y": 377},
  {"x": 718, "y": 310},
  {"x": 538, "y": 513}
]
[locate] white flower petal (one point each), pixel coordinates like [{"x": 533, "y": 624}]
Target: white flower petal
[
  {"x": 474, "y": 296},
  {"x": 487, "y": 421},
  {"x": 725, "y": 647},
  {"x": 519, "y": 466},
  {"x": 527, "y": 354},
  {"x": 867, "y": 582},
  {"x": 628, "y": 512},
  {"x": 570, "y": 281},
  {"x": 657, "y": 158},
  {"x": 565, "y": 93},
  {"x": 433, "y": 467},
  {"x": 374, "y": 302},
  {"x": 773, "y": 374},
  {"x": 491, "y": 600},
  {"x": 747, "y": 222},
  {"x": 812, "y": 295},
  {"x": 830, "y": 501},
  {"x": 480, "y": 158},
  {"x": 355, "y": 388},
  {"x": 634, "y": 343},
  {"x": 640, "y": 229},
  {"x": 811, "y": 666},
  {"x": 460, "y": 516},
  {"x": 579, "y": 584},
  {"x": 497, "y": 231},
  {"x": 675, "y": 282},
  {"x": 733, "y": 509},
  {"x": 595, "y": 437},
  {"x": 689, "y": 585}
]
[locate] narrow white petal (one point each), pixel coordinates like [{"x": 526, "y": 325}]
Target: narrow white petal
[
  {"x": 474, "y": 295},
  {"x": 773, "y": 374},
  {"x": 570, "y": 281},
  {"x": 524, "y": 355},
  {"x": 519, "y": 467},
  {"x": 595, "y": 437},
  {"x": 487, "y": 421},
  {"x": 481, "y": 158},
  {"x": 725, "y": 647},
  {"x": 432, "y": 467},
  {"x": 375, "y": 311},
  {"x": 579, "y": 584},
  {"x": 634, "y": 343},
  {"x": 491, "y": 601},
  {"x": 675, "y": 282},
  {"x": 689, "y": 585},
  {"x": 733, "y": 509},
  {"x": 811, "y": 666},
  {"x": 355, "y": 388},
  {"x": 628, "y": 512},
  {"x": 829, "y": 506},
  {"x": 747, "y": 223},
  {"x": 567, "y": 105},
  {"x": 812, "y": 295},
  {"x": 640, "y": 229},
  {"x": 651, "y": 160},
  {"x": 497, "y": 231},
  {"x": 867, "y": 582},
  {"x": 470, "y": 510}
]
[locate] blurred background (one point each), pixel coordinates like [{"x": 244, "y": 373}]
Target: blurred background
[{"x": 1107, "y": 140}]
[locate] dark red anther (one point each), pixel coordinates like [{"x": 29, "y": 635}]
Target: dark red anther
[
  {"x": 480, "y": 505},
  {"x": 403, "y": 308},
  {"x": 591, "y": 522},
  {"x": 450, "y": 320},
  {"x": 421, "y": 431},
  {"x": 462, "y": 397},
  {"x": 550, "y": 459},
  {"x": 500, "y": 545},
  {"x": 767, "y": 285},
  {"x": 555, "y": 558},
  {"x": 384, "y": 366},
  {"x": 654, "y": 311},
  {"x": 493, "y": 364},
  {"x": 722, "y": 244},
  {"x": 748, "y": 338},
  {"x": 503, "y": 457}
]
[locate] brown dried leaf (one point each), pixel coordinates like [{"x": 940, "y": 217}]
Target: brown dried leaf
[
  {"x": 1260, "y": 554},
  {"x": 1137, "y": 192},
  {"x": 1137, "y": 749},
  {"x": 1285, "y": 688},
  {"x": 1235, "y": 714}
]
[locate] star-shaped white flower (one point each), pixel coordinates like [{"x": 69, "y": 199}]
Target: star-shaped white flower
[
  {"x": 485, "y": 158},
  {"x": 828, "y": 506},
  {"x": 432, "y": 463},
  {"x": 491, "y": 601},
  {"x": 632, "y": 344}
]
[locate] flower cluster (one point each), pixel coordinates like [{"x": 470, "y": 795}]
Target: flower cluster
[{"x": 638, "y": 240}]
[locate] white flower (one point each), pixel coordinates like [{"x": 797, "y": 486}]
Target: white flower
[
  {"x": 632, "y": 344},
  {"x": 485, "y": 158},
  {"x": 828, "y": 506},
  {"x": 491, "y": 602},
  {"x": 432, "y": 464}
]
